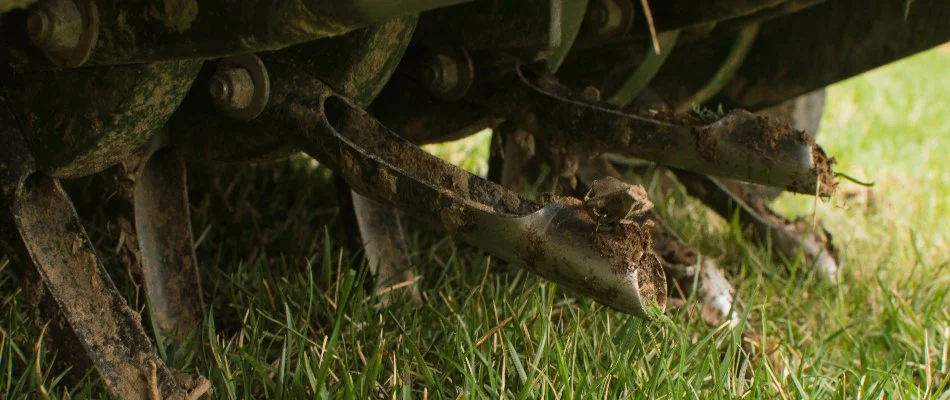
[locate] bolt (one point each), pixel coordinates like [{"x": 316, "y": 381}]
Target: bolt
[
  {"x": 55, "y": 25},
  {"x": 231, "y": 89},
  {"x": 432, "y": 74},
  {"x": 441, "y": 75},
  {"x": 609, "y": 17},
  {"x": 598, "y": 15},
  {"x": 591, "y": 94}
]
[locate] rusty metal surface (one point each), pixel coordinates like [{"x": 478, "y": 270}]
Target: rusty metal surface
[
  {"x": 737, "y": 145},
  {"x": 156, "y": 238},
  {"x": 79, "y": 122},
  {"x": 790, "y": 238},
  {"x": 50, "y": 240},
  {"x": 139, "y": 32}
]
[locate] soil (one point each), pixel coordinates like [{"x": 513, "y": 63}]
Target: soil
[
  {"x": 826, "y": 178},
  {"x": 705, "y": 144},
  {"x": 628, "y": 246}
]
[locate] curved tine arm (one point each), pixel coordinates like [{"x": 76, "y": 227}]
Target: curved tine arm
[
  {"x": 738, "y": 145},
  {"x": 559, "y": 240}
]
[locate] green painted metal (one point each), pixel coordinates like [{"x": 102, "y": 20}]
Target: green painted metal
[
  {"x": 735, "y": 59},
  {"x": 534, "y": 30},
  {"x": 640, "y": 78},
  {"x": 564, "y": 30},
  {"x": 82, "y": 121},
  {"x": 147, "y": 31}
]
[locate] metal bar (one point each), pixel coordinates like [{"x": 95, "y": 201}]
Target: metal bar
[
  {"x": 384, "y": 245},
  {"x": 738, "y": 145},
  {"x": 841, "y": 39},
  {"x": 158, "y": 238},
  {"x": 50, "y": 240},
  {"x": 694, "y": 272},
  {"x": 108, "y": 329},
  {"x": 559, "y": 241},
  {"x": 148, "y": 31}
]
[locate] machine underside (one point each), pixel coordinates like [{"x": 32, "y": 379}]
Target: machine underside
[{"x": 724, "y": 95}]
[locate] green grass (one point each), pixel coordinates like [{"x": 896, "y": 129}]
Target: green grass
[{"x": 287, "y": 317}]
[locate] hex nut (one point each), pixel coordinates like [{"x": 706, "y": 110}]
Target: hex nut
[
  {"x": 231, "y": 88},
  {"x": 55, "y": 25}
]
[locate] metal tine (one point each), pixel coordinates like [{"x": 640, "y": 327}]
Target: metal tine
[
  {"x": 738, "y": 145},
  {"x": 384, "y": 245},
  {"x": 47, "y": 237},
  {"x": 687, "y": 270},
  {"x": 788, "y": 237},
  {"x": 156, "y": 237},
  {"x": 558, "y": 240}
]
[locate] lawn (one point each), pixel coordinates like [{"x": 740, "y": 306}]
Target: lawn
[{"x": 288, "y": 317}]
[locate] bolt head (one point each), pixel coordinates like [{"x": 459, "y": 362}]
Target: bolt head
[
  {"x": 598, "y": 15},
  {"x": 55, "y": 25},
  {"x": 219, "y": 89},
  {"x": 441, "y": 74},
  {"x": 39, "y": 26},
  {"x": 432, "y": 75},
  {"x": 231, "y": 88}
]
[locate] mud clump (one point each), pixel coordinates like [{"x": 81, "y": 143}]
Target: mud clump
[
  {"x": 772, "y": 132},
  {"x": 628, "y": 246},
  {"x": 624, "y": 244},
  {"x": 826, "y": 177}
]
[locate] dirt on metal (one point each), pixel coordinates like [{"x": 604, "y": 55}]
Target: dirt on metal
[
  {"x": 533, "y": 248},
  {"x": 629, "y": 247}
]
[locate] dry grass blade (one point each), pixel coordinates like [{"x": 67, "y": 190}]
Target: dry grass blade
[
  {"x": 649, "y": 16},
  {"x": 492, "y": 331}
]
